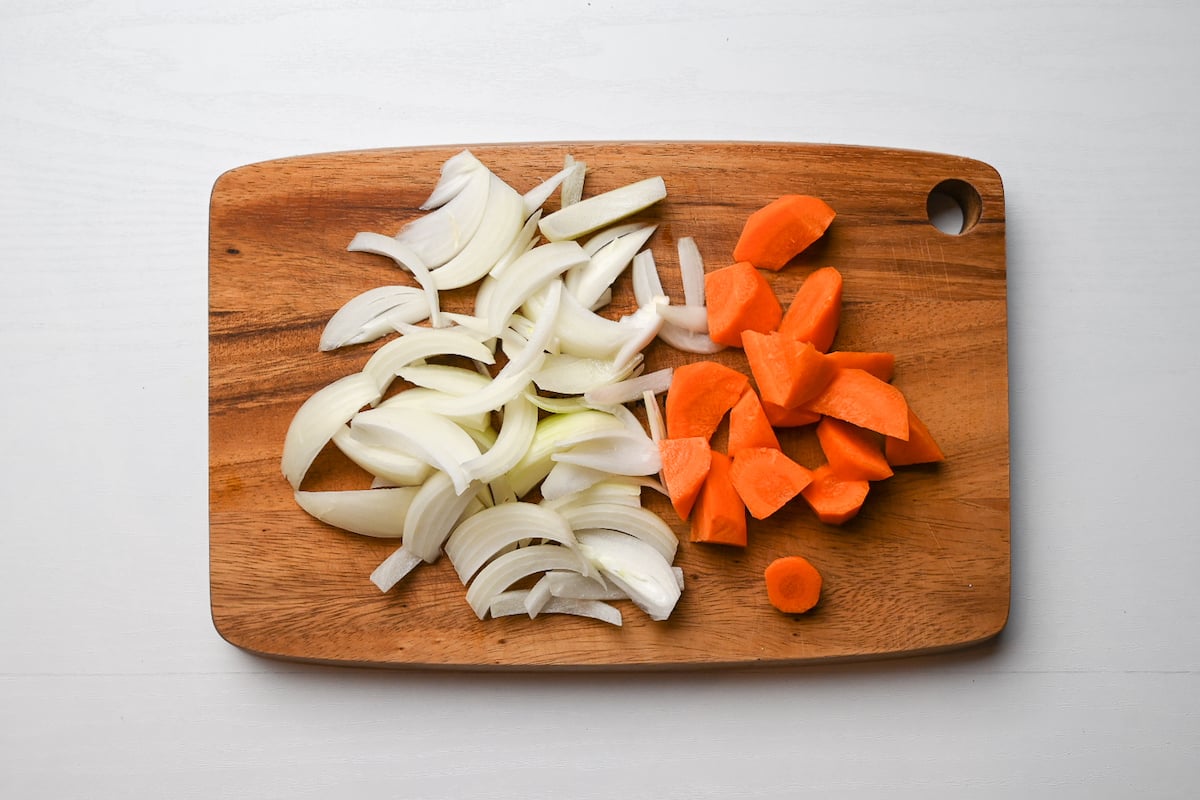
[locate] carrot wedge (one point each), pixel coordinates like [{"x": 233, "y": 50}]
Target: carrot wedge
[
  {"x": 815, "y": 311},
  {"x": 852, "y": 452},
  {"x": 920, "y": 448},
  {"x": 719, "y": 516},
  {"x": 766, "y": 479},
  {"x": 685, "y": 464},
  {"x": 858, "y": 397},
  {"x": 739, "y": 299},
  {"x": 881, "y": 365},
  {"x": 782, "y": 417},
  {"x": 834, "y": 500},
  {"x": 779, "y": 231},
  {"x": 749, "y": 426},
  {"x": 701, "y": 394},
  {"x": 788, "y": 371}
]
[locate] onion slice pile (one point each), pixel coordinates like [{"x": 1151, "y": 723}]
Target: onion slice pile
[{"x": 505, "y": 437}]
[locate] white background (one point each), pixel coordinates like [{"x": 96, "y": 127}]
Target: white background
[{"x": 116, "y": 118}]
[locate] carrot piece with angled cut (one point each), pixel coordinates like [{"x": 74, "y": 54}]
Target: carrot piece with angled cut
[
  {"x": 719, "y": 516},
  {"x": 788, "y": 371},
  {"x": 685, "y": 464},
  {"x": 793, "y": 584},
  {"x": 881, "y": 365},
  {"x": 920, "y": 448},
  {"x": 815, "y": 311},
  {"x": 779, "y": 231},
  {"x": 781, "y": 417},
  {"x": 739, "y": 299},
  {"x": 700, "y": 395},
  {"x": 835, "y": 500},
  {"x": 749, "y": 426},
  {"x": 766, "y": 479},
  {"x": 851, "y": 451},
  {"x": 858, "y": 397}
]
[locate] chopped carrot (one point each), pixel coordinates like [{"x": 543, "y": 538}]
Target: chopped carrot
[
  {"x": 739, "y": 299},
  {"x": 793, "y": 584},
  {"x": 815, "y": 311},
  {"x": 719, "y": 516},
  {"x": 766, "y": 479},
  {"x": 919, "y": 449},
  {"x": 701, "y": 394},
  {"x": 881, "y": 365},
  {"x": 685, "y": 464},
  {"x": 749, "y": 426},
  {"x": 852, "y": 452},
  {"x": 835, "y": 500},
  {"x": 781, "y": 417},
  {"x": 856, "y": 396},
  {"x": 788, "y": 371},
  {"x": 779, "y": 231}
]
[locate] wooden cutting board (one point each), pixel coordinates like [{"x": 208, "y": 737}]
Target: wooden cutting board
[{"x": 925, "y": 565}]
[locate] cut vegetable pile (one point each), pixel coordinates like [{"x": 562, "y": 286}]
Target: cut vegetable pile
[{"x": 509, "y": 439}]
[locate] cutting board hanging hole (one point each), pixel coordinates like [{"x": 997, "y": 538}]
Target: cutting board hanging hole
[{"x": 954, "y": 207}]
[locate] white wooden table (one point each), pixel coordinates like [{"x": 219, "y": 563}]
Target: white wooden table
[{"x": 116, "y": 118}]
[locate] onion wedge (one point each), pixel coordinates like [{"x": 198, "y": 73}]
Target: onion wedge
[
  {"x": 505, "y": 570},
  {"x": 385, "y": 463},
  {"x": 636, "y": 521},
  {"x": 430, "y": 437},
  {"x": 589, "y": 282},
  {"x": 397, "y": 354},
  {"x": 441, "y": 234},
  {"x": 405, "y": 257},
  {"x": 319, "y": 418},
  {"x": 373, "y": 314},
  {"x": 516, "y": 434},
  {"x": 435, "y": 509},
  {"x": 502, "y": 221},
  {"x": 369, "y": 512},
  {"x": 496, "y": 530},
  {"x": 635, "y": 567},
  {"x": 393, "y": 568},
  {"x": 604, "y": 209},
  {"x": 511, "y": 603}
]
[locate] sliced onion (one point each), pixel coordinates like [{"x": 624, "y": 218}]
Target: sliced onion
[
  {"x": 319, "y": 418},
  {"x": 502, "y": 221},
  {"x": 557, "y": 405},
  {"x": 430, "y": 437},
  {"x": 369, "y": 512},
  {"x": 589, "y": 282},
  {"x": 687, "y": 341},
  {"x": 617, "y": 455},
  {"x": 642, "y": 326},
  {"x": 495, "y": 530},
  {"x": 516, "y": 433},
  {"x": 690, "y": 318},
  {"x": 654, "y": 416},
  {"x": 528, "y": 274},
  {"x": 617, "y": 490},
  {"x": 536, "y": 197},
  {"x": 405, "y": 257},
  {"x": 521, "y": 245},
  {"x": 636, "y": 567},
  {"x": 393, "y": 568},
  {"x": 536, "y": 463},
  {"x": 636, "y": 521},
  {"x": 572, "y": 188},
  {"x": 631, "y": 389},
  {"x": 567, "y": 374},
  {"x": 605, "y": 236},
  {"x": 399, "y": 353},
  {"x": 505, "y": 570},
  {"x": 385, "y": 463},
  {"x": 372, "y": 314},
  {"x": 431, "y": 400},
  {"x": 444, "y": 378},
  {"x": 691, "y": 271},
  {"x": 456, "y": 171},
  {"x": 581, "y": 331},
  {"x": 602, "y": 209},
  {"x": 442, "y": 234},
  {"x": 537, "y": 597},
  {"x": 436, "y": 507},
  {"x": 566, "y": 479},
  {"x": 511, "y": 603}
]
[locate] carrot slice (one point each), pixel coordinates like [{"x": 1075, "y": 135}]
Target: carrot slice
[
  {"x": 739, "y": 299},
  {"x": 766, "y": 479},
  {"x": 853, "y": 452},
  {"x": 793, "y": 584},
  {"x": 749, "y": 426},
  {"x": 685, "y": 464},
  {"x": 881, "y": 365},
  {"x": 782, "y": 417},
  {"x": 701, "y": 394},
  {"x": 857, "y": 396},
  {"x": 815, "y": 311},
  {"x": 835, "y": 500},
  {"x": 788, "y": 371},
  {"x": 919, "y": 449},
  {"x": 719, "y": 516},
  {"x": 779, "y": 231}
]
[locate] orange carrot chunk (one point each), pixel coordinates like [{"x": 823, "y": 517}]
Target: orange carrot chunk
[
  {"x": 858, "y": 397},
  {"x": 779, "y": 231},
  {"x": 788, "y": 371},
  {"x": 749, "y": 426},
  {"x": 766, "y": 479},
  {"x": 852, "y": 452},
  {"x": 701, "y": 394},
  {"x": 793, "y": 584},
  {"x": 739, "y": 299},
  {"x": 881, "y": 365},
  {"x": 719, "y": 516},
  {"x": 835, "y": 500},
  {"x": 919, "y": 449},
  {"x": 815, "y": 311},
  {"x": 685, "y": 464},
  {"x": 782, "y": 417}
]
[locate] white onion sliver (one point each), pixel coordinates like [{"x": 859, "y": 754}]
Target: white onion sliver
[
  {"x": 444, "y": 378},
  {"x": 399, "y": 353},
  {"x": 539, "y": 594},
  {"x": 687, "y": 341},
  {"x": 604, "y": 236},
  {"x": 589, "y": 282},
  {"x": 654, "y": 416},
  {"x": 536, "y": 197},
  {"x": 616, "y": 455},
  {"x": 566, "y": 479},
  {"x": 638, "y": 522},
  {"x": 372, "y": 314},
  {"x": 442, "y": 234},
  {"x": 690, "y": 318},
  {"x": 599, "y": 210},
  {"x": 574, "y": 586},
  {"x": 319, "y": 418},
  {"x": 511, "y": 603},
  {"x": 536, "y": 463},
  {"x": 632, "y": 389},
  {"x": 431, "y": 400},
  {"x": 385, "y": 463},
  {"x": 435, "y": 509},
  {"x": 368, "y": 512},
  {"x": 393, "y": 568},
  {"x": 502, "y": 222},
  {"x": 516, "y": 433},
  {"x": 503, "y": 571},
  {"x": 567, "y": 374},
  {"x": 647, "y": 284},
  {"x": 406, "y": 257},
  {"x": 521, "y": 245},
  {"x": 636, "y": 567},
  {"x": 456, "y": 171},
  {"x": 691, "y": 271},
  {"x": 482, "y": 537},
  {"x": 430, "y": 437},
  {"x": 527, "y": 275},
  {"x": 572, "y": 188}
]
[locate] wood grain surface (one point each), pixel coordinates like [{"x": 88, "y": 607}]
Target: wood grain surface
[{"x": 924, "y": 567}]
